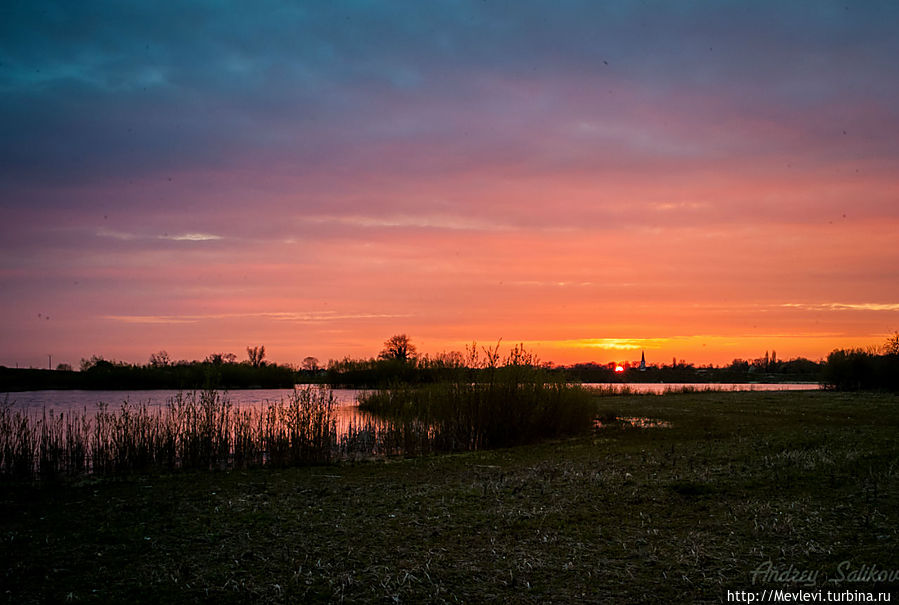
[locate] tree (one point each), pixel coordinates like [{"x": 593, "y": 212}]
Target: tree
[
  {"x": 94, "y": 361},
  {"x": 398, "y": 348},
  {"x": 160, "y": 359},
  {"x": 256, "y": 354},
  {"x": 218, "y": 359},
  {"x": 452, "y": 359},
  {"x": 891, "y": 346},
  {"x": 310, "y": 364}
]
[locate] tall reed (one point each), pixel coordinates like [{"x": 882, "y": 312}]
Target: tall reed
[
  {"x": 487, "y": 403},
  {"x": 191, "y": 431}
]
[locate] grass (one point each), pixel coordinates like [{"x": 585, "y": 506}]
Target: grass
[{"x": 625, "y": 514}]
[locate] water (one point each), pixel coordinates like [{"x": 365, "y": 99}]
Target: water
[
  {"x": 76, "y": 400},
  {"x": 357, "y": 433},
  {"x": 346, "y": 399},
  {"x": 661, "y": 387},
  {"x": 35, "y": 402}
]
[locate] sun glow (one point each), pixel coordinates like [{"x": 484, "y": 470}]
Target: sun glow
[{"x": 619, "y": 369}]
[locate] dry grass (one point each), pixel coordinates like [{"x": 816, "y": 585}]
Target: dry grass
[{"x": 626, "y": 514}]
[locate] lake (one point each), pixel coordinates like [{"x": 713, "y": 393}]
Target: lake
[
  {"x": 346, "y": 399},
  {"x": 661, "y": 387},
  {"x": 88, "y": 401}
]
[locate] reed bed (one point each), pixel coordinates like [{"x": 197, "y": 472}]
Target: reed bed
[
  {"x": 483, "y": 404},
  {"x": 488, "y": 404},
  {"x": 363, "y": 440},
  {"x": 628, "y": 390},
  {"x": 192, "y": 431}
]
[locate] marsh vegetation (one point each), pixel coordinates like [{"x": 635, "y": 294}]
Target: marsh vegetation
[
  {"x": 196, "y": 431},
  {"x": 619, "y": 514},
  {"x": 481, "y": 402}
]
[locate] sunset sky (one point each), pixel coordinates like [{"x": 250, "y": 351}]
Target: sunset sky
[{"x": 699, "y": 180}]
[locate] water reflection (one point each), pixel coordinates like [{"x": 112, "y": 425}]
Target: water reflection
[
  {"x": 347, "y": 415},
  {"x": 659, "y": 388}
]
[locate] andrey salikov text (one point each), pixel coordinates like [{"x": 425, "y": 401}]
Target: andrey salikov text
[{"x": 845, "y": 572}]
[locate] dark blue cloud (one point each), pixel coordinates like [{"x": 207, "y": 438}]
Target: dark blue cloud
[{"x": 95, "y": 89}]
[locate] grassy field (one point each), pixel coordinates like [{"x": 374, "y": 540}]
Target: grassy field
[{"x": 625, "y": 514}]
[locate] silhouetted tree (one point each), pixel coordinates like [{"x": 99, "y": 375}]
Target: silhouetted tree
[
  {"x": 398, "y": 348},
  {"x": 310, "y": 364},
  {"x": 87, "y": 364},
  {"x": 256, "y": 354},
  {"x": 218, "y": 359},
  {"x": 160, "y": 359},
  {"x": 891, "y": 346}
]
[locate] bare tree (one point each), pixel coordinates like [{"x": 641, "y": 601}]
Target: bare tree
[
  {"x": 256, "y": 354},
  {"x": 160, "y": 359},
  {"x": 399, "y": 348},
  {"x": 218, "y": 359}
]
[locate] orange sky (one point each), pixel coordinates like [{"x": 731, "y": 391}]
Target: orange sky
[{"x": 590, "y": 182}]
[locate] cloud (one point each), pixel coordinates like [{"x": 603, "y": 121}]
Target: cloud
[
  {"x": 177, "y": 237},
  {"x": 614, "y": 344},
  {"x": 560, "y": 284},
  {"x": 151, "y": 319},
  {"x": 142, "y": 89},
  {"x": 191, "y": 237},
  {"x": 837, "y": 306},
  {"x": 620, "y": 164},
  {"x": 424, "y": 220},
  {"x": 119, "y": 235},
  {"x": 325, "y": 316}
]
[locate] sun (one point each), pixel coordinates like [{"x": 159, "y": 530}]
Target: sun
[{"x": 619, "y": 369}]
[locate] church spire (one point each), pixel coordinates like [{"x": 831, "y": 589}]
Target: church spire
[{"x": 643, "y": 361}]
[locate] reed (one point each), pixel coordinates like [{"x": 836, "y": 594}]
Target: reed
[
  {"x": 485, "y": 403},
  {"x": 193, "y": 431},
  {"x": 387, "y": 437}
]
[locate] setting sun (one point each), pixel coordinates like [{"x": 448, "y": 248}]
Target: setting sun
[
  {"x": 449, "y": 300},
  {"x": 395, "y": 186}
]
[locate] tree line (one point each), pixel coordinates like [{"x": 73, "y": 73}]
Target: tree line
[
  {"x": 217, "y": 370},
  {"x": 399, "y": 362},
  {"x": 871, "y": 369}
]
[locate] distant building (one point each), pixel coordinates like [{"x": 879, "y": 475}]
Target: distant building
[{"x": 642, "y": 361}]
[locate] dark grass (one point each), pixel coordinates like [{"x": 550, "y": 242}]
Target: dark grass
[{"x": 630, "y": 515}]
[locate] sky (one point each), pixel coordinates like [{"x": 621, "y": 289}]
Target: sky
[{"x": 697, "y": 180}]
